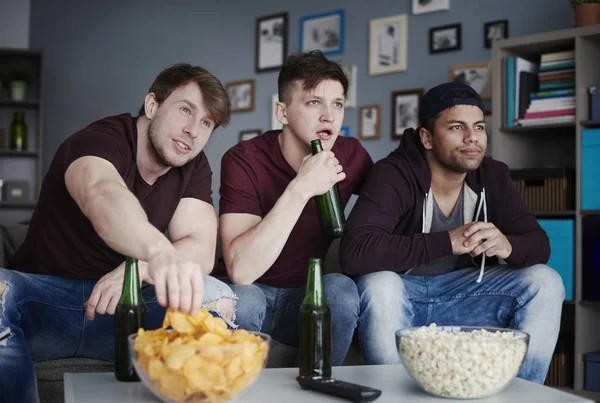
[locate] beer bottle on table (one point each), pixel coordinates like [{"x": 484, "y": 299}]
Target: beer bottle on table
[
  {"x": 130, "y": 315},
  {"x": 315, "y": 326},
  {"x": 329, "y": 207}
]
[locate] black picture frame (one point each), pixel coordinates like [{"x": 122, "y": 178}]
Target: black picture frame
[
  {"x": 249, "y": 134},
  {"x": 412, "y": 99},
  {"x": 488, "y": 26},
  {"x": 436, "y": 44},
  {"x": 271, "y": 28}
]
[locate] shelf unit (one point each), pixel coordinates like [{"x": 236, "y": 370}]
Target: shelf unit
[
  {"x": 555, "y": 145},
  {"x": 21, "y": 165}
]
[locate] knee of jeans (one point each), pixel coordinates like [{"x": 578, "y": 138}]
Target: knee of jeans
[
  {"x": 341, "y": 289},
  {"x": 251, "y": 301},
  {"x": 545, "y": 280},
  {"x": 383, "y": 286}
]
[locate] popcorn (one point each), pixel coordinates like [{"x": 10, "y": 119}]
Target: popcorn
[{"x": 449, "y": 362}]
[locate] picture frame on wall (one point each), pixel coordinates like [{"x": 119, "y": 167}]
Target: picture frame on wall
[
  {"x": 494, "y": 30},
  {"x": 405, "y": 111},
  {"x": 249, "y": 134},
  {"x": 271, "y": 42},
  {"x": 429, "y": 6},
  {"x": 369, "y": 127},
  {"x": 345, "y": 131},
  {"x": 275, "y": 124},
  {"x": 476, "y": 75},
  {"x": 387, "y": 44},
  {"x": 324, "y": 32},
  {"x": 241, "y": 95},
  {"x": 351, "y": 73},
  {"x": 445, "y": 38}
]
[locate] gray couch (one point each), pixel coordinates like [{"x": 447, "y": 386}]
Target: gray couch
[{"x": 50, "y": 373}]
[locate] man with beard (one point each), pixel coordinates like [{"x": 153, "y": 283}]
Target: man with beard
[
  {"x": 440, "y": 235},
  {"x": 113, "y": 190}
]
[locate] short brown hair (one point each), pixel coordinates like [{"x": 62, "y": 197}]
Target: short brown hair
[
  {"x": 312, "y": 68},
  {"x": 214, "y": 95}
]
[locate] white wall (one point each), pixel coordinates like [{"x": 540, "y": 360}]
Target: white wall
[{"x": 14, "y": 23}]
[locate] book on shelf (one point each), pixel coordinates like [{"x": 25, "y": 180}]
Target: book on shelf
[
  {"x": 552, "y": 94},
  {"x": 547, "y": 120},
  {"x": 558, "y": 65},
  {"x": 556, "y": 56}
]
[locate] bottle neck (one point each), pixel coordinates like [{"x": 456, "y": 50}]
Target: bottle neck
[
  {"x": 131, "y": 284},
  {"x": 316, "y": 146},
  {"x": 315, "y": 291}
]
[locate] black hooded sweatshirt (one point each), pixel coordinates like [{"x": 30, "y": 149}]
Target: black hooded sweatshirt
[{"x": 388, "y": 228}]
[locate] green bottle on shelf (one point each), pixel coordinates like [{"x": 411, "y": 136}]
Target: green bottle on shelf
[{"x": 18, "y": 132}]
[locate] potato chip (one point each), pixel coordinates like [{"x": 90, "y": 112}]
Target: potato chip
[{"x": 199, "y": 359}]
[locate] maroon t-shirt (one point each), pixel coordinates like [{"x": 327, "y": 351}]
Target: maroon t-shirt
[
  {"x": 254, "y": 175},
  {"x": 61, "y": 240}
]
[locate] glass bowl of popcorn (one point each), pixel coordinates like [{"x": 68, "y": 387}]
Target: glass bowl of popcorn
[
  {"x": 198, "y": 359},
  {"x": 462, "y": 362}
]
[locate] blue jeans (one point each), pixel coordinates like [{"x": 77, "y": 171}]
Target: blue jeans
[
  {"x": 276, "y": 311},
  {"x": 527, "y": 299},
  {"x": 43, "y": 318}
]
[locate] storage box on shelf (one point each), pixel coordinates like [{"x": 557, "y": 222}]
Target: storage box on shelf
[
  {"x": 590, "y": 169},
  {"x": 546, "y": 189},
  {"x": 559, "y": 141},
  {"x": 561, "y": 233}
]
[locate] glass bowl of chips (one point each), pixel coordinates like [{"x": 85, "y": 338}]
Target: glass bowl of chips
[{"x": 198, "y": 358}]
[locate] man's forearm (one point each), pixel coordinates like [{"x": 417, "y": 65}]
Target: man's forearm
[
  {"x": 195, "y": 250},
  {"x": 252, "y": 253},
  {"x": 121, "y": 222}
]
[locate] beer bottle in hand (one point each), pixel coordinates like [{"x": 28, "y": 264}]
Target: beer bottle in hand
[
  {"x": 130, "y": 315},
  {"x": 329, "y": 207},
  {"x": 315, "y": 326}
]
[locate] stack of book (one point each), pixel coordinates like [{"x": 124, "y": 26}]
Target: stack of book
[{"x": 554, "y": 102}]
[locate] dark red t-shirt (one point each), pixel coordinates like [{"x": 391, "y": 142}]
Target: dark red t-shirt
[
  {"x": 254, "y": 174},
  {"x": 61, "y": 240}
]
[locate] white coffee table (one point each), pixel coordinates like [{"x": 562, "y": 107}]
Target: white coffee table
[{"x": 279, "y": 385}]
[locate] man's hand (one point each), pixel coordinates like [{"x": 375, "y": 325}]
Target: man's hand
[
  {"x": 182, "y": 279},
  {"x": 318, "y": 173},
  {"x": 485, "y": 237},
  {"x": 458, "y": 237},
  {"x": 107, "y": 291}
]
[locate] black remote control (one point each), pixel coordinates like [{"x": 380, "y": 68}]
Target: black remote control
[{"x": 335, "y": 387}]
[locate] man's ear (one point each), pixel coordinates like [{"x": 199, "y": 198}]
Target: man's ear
[
  {"x": 150, "y": 105},
  {"x": 425, "y": 136},
  {"x": 281, "y": 113}
]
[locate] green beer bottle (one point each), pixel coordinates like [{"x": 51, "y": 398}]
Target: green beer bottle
[
  {"x": 315, "y": 326},
  {"x": 130, "y": 315},
  {"x": 18, "y": 132},
  {"x": 329, "y": 207}
]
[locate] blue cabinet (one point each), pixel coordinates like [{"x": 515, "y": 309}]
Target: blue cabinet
[{"x": 562, "y": 250}]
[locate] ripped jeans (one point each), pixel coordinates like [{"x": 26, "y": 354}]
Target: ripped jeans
[
  {"x": 528, "y": 299},
  {"x": 43, "y": 318}
]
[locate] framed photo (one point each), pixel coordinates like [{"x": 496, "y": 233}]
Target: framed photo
[
  {"x": 387, "y": 44},
  {"x": 494, "y": 30},
  {"x": 477, "y": 75},
  {"x": 428, "y": 6},
  {"x": 324, "y": 32},
  {"x": 405, "y": 111},
  {"x": 249, "y": 134},
  {"x": 241, "y": 95},
  {"x": 351, "y": 73},
  {"x": 271, "y": 42},
  {"x": 445, "y": 38},
  {"x": 345, "y": 131},
  {"x": 275, "y": 124},
  {"x": 370, "y": 122}
]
